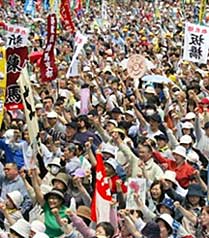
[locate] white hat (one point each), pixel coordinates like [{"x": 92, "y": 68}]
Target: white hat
[
  {"x": 21, "y": 227},
  {"x": 39, "y": 106},
  {"x": 171, "y": 176},
  {"x": 130, "y": 112},
  {"x": 86, "y": 69},
  {"x": 109, "y": 59},
  {"x": 112, "y": 162},
  {"x": 112, "y": 121},
  {"x": 150, "y": 90},
  {"x": 180, "y": 150},
  {"x": 167, "y": 218},
  {"x": 55, "y": 161},
  {"x": 108, "y": 148},
  {"x": 16, "y": 198},
  {"x": 186, "y": 139},
  {"x": 190, "y": 116},
  {"x": 187, "y": 125},
  {"x": 37, "y": 226},
  {"x": 52, "y": 115},
  {"x": 40, "y": 235},
  {"x": 8, "y": 135},
  {"x": 193, "y": 157}
]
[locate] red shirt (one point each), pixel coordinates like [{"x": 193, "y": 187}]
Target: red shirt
[
  {"x": 113, "y": 184},
  {"x": 183, "y": 172}
]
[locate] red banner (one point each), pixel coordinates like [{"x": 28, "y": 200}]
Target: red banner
[
  {"x": 16, "y": 56},
  {"x": 48, "y": 67},
  {"x": 16, "y": 60},
  {"x": 66, "y": 16}
]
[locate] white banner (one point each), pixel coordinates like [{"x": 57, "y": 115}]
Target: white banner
[
  {"x": 196, "y": 43},
  {"x": 16, "y": 36},
  {"x": 80, "y": 41},
  {"x": 138, "y": 186},
  {"x": 30, "y": 112}
]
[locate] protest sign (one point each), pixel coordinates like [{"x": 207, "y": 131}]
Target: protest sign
[
  {"x": 135, "y": 185},
  {"x": 196, "y": 43}
]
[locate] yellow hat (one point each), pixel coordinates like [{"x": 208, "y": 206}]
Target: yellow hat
[
  {"x": 143, "y": 38},
  {"x": 119, "y": 130}
]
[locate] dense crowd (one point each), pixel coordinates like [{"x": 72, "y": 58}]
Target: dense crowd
[{"x": 140, "y": 129}]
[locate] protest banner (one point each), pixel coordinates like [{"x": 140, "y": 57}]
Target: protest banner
[
  {"x": 17, "y": 56},
  {"x": 80, "y": 40},
  {"x": 202, "y": 10},
  {"x": 138, "y": 186},
  {"x": 48, "y": 67},
  {"x": 136, "y": 67},
  {"x": 3, "y": 81},
  {"x": 85, "y": 99},
  {"x": 102, "y": 195},
  {"x": 196, "y": 43},
  {"x": 66, "y": 18},
  {"x": 30, "y": 112}
]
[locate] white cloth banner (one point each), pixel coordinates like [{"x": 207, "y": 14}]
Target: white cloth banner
[
  {"x": 80, "y": 41},
  {"x": 30, "y": 112},
  {"x": 16, "y": 36},
  {"x": 104, "y": 10},
  {"x": 196, "y": 43}
]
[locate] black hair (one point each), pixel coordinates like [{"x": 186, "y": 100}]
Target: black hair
[
  {"x": 49, "y": 97},
  {"x": 157, "y": 182},
  {"x": 170, "y": 231},
  {"x": 107, "y": 226},
  {"x": 16, "y": 234}
]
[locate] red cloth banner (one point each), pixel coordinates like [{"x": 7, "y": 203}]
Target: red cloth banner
[
  {"x": 48, "y": 67},
  {"x": 66, "y": 18},
  {"x": 16, "y": 60},
  {"x": 16, "y": 56}
]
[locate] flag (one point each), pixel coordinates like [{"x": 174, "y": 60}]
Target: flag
[
  {"x": 3, "y": 81},
  {"x": 202, "y": 10},
  {"x": 196, "y": 43},
  {"x": 29, "y": 7},
  {"x": 48, "y": 67},
  {"x": 100, "y": 207},
  {"x": 80, "y": 40},
  {"x": 66, "y": 18},
  {"x": 30, "y": 112}
]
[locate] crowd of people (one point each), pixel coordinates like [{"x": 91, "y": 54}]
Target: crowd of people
[{"x": 150, "y": 130}]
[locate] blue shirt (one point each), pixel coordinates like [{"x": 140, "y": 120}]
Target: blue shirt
[{"x": 13, "y": 153}]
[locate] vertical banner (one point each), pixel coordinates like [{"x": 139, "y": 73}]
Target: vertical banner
[
  {"x": 196, "y": 43},
  {"x": 80, "y": 40},
  {"x": 202, "y": 10},
  {"x": 29, "y": 108},
  {"x": 48, "y": 67},
  {"x": 102, "y": 194},
  {"x": 85, "y": 99},
  {"x": 66, "y": 18},
  {"x": 17, "y": 56},
  {"x": 208, "y": 186},
  {"x": 3, "y": 81},
  {"x": 104, "y": 10}
]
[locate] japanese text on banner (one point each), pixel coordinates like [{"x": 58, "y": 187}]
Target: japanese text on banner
[{"x": 196, "y": 43}]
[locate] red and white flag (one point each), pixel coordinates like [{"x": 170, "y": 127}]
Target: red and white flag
[{"x": 100, "y": 207}]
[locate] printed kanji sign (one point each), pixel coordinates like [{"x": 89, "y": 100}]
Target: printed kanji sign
[{"x": 196, "y": 43}]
